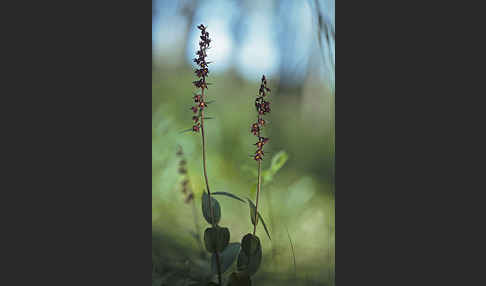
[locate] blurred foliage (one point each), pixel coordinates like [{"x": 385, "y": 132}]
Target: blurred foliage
[{"x": 296, "y": 194}]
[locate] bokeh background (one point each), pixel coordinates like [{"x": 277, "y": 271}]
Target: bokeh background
[{"x": 292, "y": 43}]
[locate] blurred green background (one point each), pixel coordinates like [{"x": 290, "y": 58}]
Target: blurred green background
[{"x": 299, "y": 200}]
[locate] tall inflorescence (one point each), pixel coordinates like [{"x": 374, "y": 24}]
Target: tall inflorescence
[
  {"x": 201, "y": 73},
  {"x": 250, "y": 256},
  {"x": 262, "y": 107},
  {"x": 216, "y": 238}
]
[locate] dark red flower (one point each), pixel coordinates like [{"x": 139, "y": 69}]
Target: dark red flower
[
  {"x": 202, "y": 105},
  {"x": 262, "y": 107}
]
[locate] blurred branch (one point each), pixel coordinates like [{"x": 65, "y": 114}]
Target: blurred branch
[
  {"x": 188, "y": 10},
  {"x": 290, "y": 83},
  {"x": 325, "y": 28}
]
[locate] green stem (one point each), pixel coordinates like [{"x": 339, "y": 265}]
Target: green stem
[
  {"x": 258, "y": 185},
  {"x": 257, "y": 196}
]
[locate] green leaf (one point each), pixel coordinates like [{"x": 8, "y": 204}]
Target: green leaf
[
  {"x": 254, "y": 221},
  {"x": 249, "y": 264},
  {"x": 206, "y": 210},
  {"x": 226, "y": 257},
  {"x": 210, "y": 238},
  {"x": 278, "y": 161},
  {"x": 228, "y": 195},
  {"x": 264, "y": 225},
  {"x": 216, "y": 238},
  {"x": 250, "y": 244},
  {"x": 222, "y": 238}
]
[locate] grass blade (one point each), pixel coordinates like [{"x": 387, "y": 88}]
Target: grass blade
[{"x": 293, "y": 254}]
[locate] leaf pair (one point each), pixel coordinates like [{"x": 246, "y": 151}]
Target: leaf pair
[
  {"x": 216, "y": 238},
  {"x": 250, "y": 244},
  {"x": 250, "y": 256}
]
